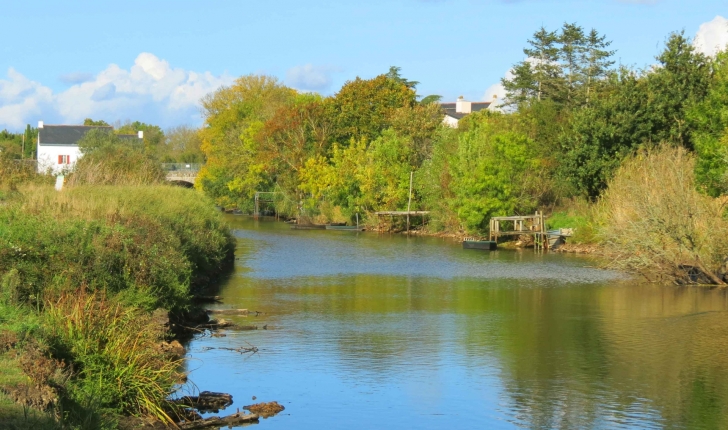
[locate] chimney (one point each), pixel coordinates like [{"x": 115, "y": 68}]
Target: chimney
[
  {"x": 140, "y": 133},
  {"x": 462, "y": 106},
  {"x": 40, "y": 124}
]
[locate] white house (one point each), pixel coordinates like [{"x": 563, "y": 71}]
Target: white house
[
  {"x": 456, "y": 111},
  {"x": 58, "y": 149}
]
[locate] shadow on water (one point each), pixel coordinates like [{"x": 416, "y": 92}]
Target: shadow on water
[{"x": 418, "y": 333}]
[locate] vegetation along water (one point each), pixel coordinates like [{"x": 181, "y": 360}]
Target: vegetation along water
[{"x": 355, "y": 329}]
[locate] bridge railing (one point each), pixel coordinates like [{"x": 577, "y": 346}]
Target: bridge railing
[{"x": 181, "y": 167}]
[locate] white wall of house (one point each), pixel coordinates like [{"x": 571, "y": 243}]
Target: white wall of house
[
  {"x": 48, "y": 157},
  {"x": 450, "y": 121}
]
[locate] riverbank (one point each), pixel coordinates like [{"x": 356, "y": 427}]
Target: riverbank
[{"x": 81, "y": 272}]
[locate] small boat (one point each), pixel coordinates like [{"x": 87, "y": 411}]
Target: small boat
[
  {"x": 487, "y": 245},
  {"x": 344, "y": 227},
  {"x": 308, "y": 227}
]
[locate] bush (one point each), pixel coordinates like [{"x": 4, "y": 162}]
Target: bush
[
  {"x": 581, "y": 217},
  {"x": 658, "y": 224},
  {"x": 13, "y": 173},
  {"x": 115, "y": 350},
  {"x": 151, "y": 245},
  {"x": 110, "y": 160}
]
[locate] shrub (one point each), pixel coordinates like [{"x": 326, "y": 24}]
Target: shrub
[
  {"x": 659, "y": 224},
  {"x": 152, "y": 245},
  {"x": 110, "y": 160},
  {"x": 115, "y": 351},
  {"x": 580, "y": 216}
]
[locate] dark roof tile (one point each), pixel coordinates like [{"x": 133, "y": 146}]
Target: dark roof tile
[{"x": 65, "y": 134}]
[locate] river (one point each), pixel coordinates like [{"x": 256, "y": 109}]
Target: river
[{"x": 378, "y": 331}]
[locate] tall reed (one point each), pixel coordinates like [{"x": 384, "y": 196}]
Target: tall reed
[
  {"x": 659, "y": 224},
  {"x": 115, "y": 351}
]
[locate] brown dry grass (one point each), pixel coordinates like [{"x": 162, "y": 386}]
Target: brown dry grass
[{"x": 658, "y": 223}]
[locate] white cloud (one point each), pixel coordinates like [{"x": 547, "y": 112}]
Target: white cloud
[
  {"x": 310, "y": 77},
  {"x": 150, "y": 91},
  {"x": 76, "y": 77},
  {"x": 496, "y": 91},
  {"x": 21, "y": 98},
  {"x": 106, "y": 92},
  {"x": 712, "y": 36}
]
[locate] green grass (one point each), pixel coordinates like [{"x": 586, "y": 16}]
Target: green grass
[
  {"x": 153, "y": 245},
  {"x": 80, "y": 271},
  {"x": 580, "y": 219}
]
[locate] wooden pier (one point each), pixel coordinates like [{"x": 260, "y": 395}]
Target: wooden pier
[
  {"x": 521, "y": 225},
  {"x": 392, "y": 214}
]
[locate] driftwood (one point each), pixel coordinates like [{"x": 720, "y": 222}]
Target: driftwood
[
  {"x": 206, "y": 401},
  {"x": 216, "y": 325},
  {"x": 241, "y": 349},
  {"x": 218, "y": 422}
]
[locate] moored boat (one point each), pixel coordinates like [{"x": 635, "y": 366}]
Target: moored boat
[
  {"x": 487, "y": 245},
  {"x": 308, "y": 227},
  {"x": 344, "y": 227}
]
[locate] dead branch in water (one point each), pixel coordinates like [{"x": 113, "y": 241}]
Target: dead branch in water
[
  {"x": 206, "y": 401},
  {"x": 218, "y": 422},
  {"x": 241, "y": 349}
]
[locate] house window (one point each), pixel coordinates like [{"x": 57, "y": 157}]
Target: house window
[{"x": 64, "y": 159}]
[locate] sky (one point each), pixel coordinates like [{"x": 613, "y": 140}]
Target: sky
[{"x": 152, "y": 61}]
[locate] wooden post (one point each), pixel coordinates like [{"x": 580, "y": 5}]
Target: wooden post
[{"x": 409, "y": 202}]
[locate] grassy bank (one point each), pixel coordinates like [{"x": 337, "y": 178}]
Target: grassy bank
[
  {"x": 655, "y": 220},
  {"x": 80, "y": 273}
]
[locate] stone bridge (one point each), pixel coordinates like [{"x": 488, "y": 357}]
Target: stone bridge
[{"x": 182, "y": 173}]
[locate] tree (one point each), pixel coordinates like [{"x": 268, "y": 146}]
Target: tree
[
  {"x": 295, "y": 133},
  {"x": 565, "y": 67},
  {"x": 598, "y": 137},
  {"x": 546, "y": 69},
  {"x": 572, "y": 42},
  {"x": 709, "y": 119},
  {"x": 523, "y": 86},
  {"x": 433, "y": 98},
  {"x": 153, "y": 134},
  {"x": 182, "y": 145},
  {"x": 681, "y": 80},
  {"x": 363, "y": 108},
  {"x": 394, "y": 74},
  {"x": 91, "y": 122},
  {"x": 234, "y": 115},
  {"x": 597, "y": 61}
]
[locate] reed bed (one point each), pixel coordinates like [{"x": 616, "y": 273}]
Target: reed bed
[{"x": 659, "y": 224}]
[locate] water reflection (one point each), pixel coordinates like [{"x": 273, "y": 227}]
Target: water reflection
[{"x": 417, "y": 333}]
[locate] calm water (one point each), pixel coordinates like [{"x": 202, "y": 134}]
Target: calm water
[{"x": 368, "y": 331}]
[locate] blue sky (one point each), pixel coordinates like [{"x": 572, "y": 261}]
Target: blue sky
[{"x": 152, "y": 60}]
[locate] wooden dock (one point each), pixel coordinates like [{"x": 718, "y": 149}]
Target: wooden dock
[
  {"x": 521, "y": 225},
  {"x": 392, "y": 214}
]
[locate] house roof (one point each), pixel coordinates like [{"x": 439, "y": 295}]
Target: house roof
[
  {"x": 65, "y": 134},
  {"x": 449, "y": 108},
  {"x": 453, "y": 114}
]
